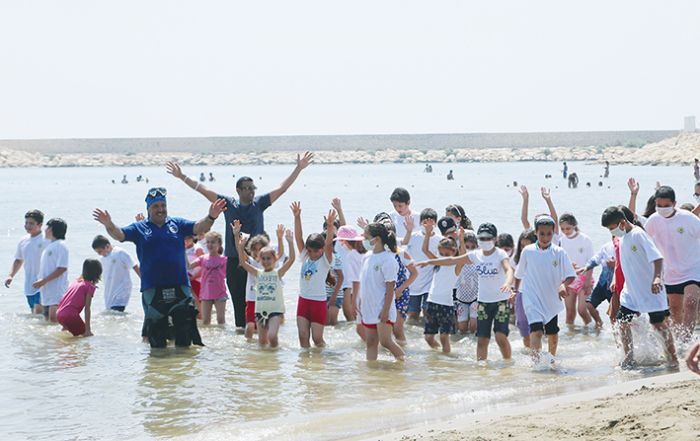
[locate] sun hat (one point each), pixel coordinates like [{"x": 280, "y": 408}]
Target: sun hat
[{"x": 346, "y": 232}]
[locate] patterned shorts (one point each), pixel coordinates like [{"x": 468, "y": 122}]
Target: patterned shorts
[
  {"x": 402, "y": 304},
  {"x": 439, "y": 319},
  {"x": 496, "y": 315}
]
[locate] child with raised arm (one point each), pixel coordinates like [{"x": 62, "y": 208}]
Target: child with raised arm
[
  {"x": 440, "y": 314},
  {"x": 28, "y": 253},
  {"x": 316, "y": 255},
  {"x": 269, "y": 298},
  {"x": 643, "y": 292},
  {"x": 79, "y": 297},
  {"x": 377, "y": 290},
  {"x": 116, "y": 266},
  {"x": 414, "y": 241},
  {"x": 213, "y": 289},
  {"x": 53, "y": 268},
  {"x": 543, "y": 267}
]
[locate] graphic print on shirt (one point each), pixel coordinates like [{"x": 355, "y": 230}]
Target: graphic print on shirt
[{"x": 309, "y": 269}]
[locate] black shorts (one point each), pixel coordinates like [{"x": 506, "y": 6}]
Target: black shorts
[
  {"x": 678, "y": 289},
  {"x": 551, "y": 328},
  {"x": 626, "y": 315},
  {"x": 439, "y": 319},
  {"x": 496, "y": 314},
  {"x": 600, "y": 293}
]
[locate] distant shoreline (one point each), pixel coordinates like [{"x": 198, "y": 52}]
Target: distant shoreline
[{"x": 679, "y": 149}]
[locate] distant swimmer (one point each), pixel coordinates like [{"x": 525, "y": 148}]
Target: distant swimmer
[
  {"x": 202, "y": 178},
  {"x": 211, "y": 177},
  {"x": 573, "y": 180},
  {"x": 113, "y": 181},
  {"x": 139, "y": 178},
  {"x": 607, "y": 169},
  {"x": 450, "y": 176},
  {"x": 428, "y": 168},
  {"x": 124, "y": 180},
  {"x": 696, "y": 170},
  {"x": 565, "y": 171}
]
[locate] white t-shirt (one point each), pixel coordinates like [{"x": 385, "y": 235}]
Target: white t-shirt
[
  {"x": 678, "y": 239},
  {"x": 442, "y": 285},
  {"x": 251, "y": 280},
  {"x": 55, "y": 255},
  {"x": 579, "y": 249},
  {"x": 336, "y": 266},
  {"x": 637, "y": 252},
  {"x": 377, "y": 270},
  {"x": 312, "y": 281},
  {"x": 116, "y": 268},
  {"x": 425, "y": 275},
  {"x": 352, "y": 264},
  {"x": 491, "y": 275},
  {"x": 399, "y": 221},
  {"x": 29, "y": 251},
  {"x": 542, "y": 272}
]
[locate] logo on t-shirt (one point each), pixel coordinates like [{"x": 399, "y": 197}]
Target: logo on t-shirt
[
  {"x": 50, "y": 253},
  {"x": 681, "y": 230},
  {"x": 308, "y": 270},
  {"x": 634, "y": 248},
  {"x": 580, "y": 250},
  {"x": 173, "y": 228},
  {"x": 555, "y": 263},
  {"x": 377, "y": 268}
]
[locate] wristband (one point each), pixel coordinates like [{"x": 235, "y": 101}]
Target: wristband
[
  {"x": 213, "y": 219},
  {"x": 196, "y": 187}
]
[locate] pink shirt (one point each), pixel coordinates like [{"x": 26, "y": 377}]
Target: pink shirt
[
  {"x": 213, "y": 277},
  {"x": 75, "y": 296}
]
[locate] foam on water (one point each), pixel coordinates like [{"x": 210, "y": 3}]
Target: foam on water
[{"x": 112, "y": 386}]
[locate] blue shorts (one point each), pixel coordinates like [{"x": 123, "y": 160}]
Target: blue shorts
[
  {"x": 338, "y": 301},
  {"x": 600, "y": 293},
  {"x": 34, "y": 299},
  {"x": 417, "y": 303}
]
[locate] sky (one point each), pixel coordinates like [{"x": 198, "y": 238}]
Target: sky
[{"x": 170, "y": 68}]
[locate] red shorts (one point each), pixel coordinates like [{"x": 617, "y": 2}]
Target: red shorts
[
  {"x": 70, "y": 319},
  {"x": 374, "y": 326},
  {"x": 196, "y": 285},
  {"x": 315, "y": 311},
  {"x": 249, "y": 312}
]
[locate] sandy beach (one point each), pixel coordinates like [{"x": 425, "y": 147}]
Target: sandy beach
[
  {"x": 659, "y": 408},
  {"x": 680, "y": 149}
]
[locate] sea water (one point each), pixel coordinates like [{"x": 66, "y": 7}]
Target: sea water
[{"x": 112, "y": 386}]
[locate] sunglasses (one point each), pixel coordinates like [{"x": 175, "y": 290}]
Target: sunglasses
[
  {"x": 248, "y": 187},
  {"x": 156, "y": 191}
]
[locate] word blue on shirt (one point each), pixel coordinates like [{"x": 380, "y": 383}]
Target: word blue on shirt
[
  {"x": 161, "y": 251},
  {"x": 250, "y": 216}
]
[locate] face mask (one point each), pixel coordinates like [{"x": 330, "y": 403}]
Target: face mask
[
  {"x": 367, "y": 244},
  {"x": 665, "y": 211},
  {"x": 618, "y": 232},
  {"x": 486, "y": 245}
]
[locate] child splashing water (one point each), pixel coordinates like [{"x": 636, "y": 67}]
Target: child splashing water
[
  {"x": 543, "y": 267},
  {"x": 378, "y": 282},
  {"x": 212, "y": 291},
  {"x": 316, "y": 256},
  {"x": 79, "y": 297},
  {"x": 269, "y": 299}
]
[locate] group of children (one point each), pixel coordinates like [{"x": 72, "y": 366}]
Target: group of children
[{"x": 404, "y": 265}]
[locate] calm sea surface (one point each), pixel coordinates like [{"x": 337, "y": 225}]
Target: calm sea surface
[{"x": 111, "y": 386}]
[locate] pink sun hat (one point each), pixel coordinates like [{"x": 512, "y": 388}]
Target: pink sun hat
[{"x": 346, "y": 232}]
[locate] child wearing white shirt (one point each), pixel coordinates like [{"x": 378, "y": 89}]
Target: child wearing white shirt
[
  {"x": 28, "y": 253},
  {"x": 643, "y": 292},
  {"x": 53, "y": 268},
  {"x": 414, "y": 242}
]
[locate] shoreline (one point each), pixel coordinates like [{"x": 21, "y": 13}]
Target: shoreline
[
  {"x": 677, "y": 150},
  {"x": 662, "y": 407}
]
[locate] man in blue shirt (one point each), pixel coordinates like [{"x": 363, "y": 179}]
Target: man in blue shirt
[
  {"x": 248, "y": 209},
  {"x": 160, "y": 247}
]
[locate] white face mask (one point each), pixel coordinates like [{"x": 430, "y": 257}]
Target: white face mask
[
  {"x": 618, "y": 232},
  {"x": 367, "y": 244},
  {"x": 665, "y": 211},
  {"x": 486, "y": 245}
]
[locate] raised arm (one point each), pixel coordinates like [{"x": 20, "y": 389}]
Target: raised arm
[
  {"x": 240, "y": 248},
  {"x": 634, "y": 191},
  {"x": 408, "y": 223},
  {"x": 523, "y": 210},
  {"x": 205, "y": 224},
  {"x": 174, "y": 169},
  {"x": 335, "y": 203},
  {"x": 292, "y": 255},
  {"x": 298, "y": 234},
  {"x": 547, "y": 196},
  {"x": 426, "y": 242},
  {"x": 330, "y": 232},
  {"x": 105, "y": 219},
  {"x": 302, "y": 163}
]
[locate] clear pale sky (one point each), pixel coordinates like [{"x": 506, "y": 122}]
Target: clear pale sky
[{"x": 226, "y": 68}]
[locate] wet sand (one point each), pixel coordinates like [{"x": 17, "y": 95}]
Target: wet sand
[{"x": 659, "y": 408}]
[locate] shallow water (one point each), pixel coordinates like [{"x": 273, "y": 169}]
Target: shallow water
[{"x": 111, "y": 386}]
